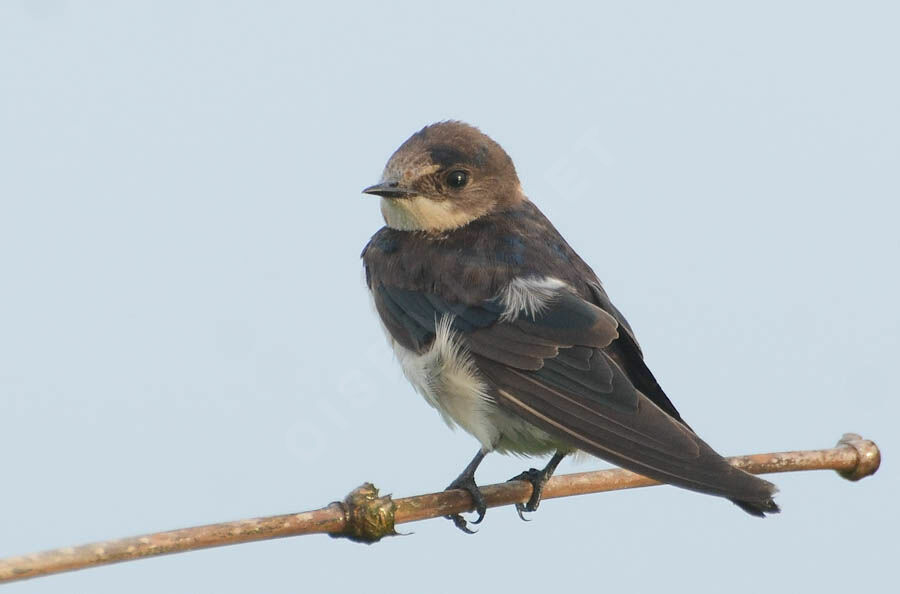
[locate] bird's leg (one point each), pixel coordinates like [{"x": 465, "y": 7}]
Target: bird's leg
[
  {"x": 537, "y": 478},
  {"x": 466, "y": 482}
]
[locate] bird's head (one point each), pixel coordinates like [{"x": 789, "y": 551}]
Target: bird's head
[{"x": 445, "y": 176}]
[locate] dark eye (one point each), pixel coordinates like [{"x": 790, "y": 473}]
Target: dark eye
[{"x": 457, "y": 179}]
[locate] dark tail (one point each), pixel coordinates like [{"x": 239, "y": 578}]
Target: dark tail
[
  {"x": 635, "y": 434},
  {"x": 758, "y": 508}
]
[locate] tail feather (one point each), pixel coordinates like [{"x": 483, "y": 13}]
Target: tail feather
[
  {"x": 642, "y": 438},
  {"x": 758, "y": 508},
  {"x": 758, "y": 501}
]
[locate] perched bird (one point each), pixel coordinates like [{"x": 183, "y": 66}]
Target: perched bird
[{"x": 505, "y": 330}]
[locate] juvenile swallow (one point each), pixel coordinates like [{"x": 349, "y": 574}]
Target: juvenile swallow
[{"x": 506, "y": 331}]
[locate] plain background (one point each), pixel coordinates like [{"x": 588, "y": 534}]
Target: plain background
[{"x": 185, "y": 336}]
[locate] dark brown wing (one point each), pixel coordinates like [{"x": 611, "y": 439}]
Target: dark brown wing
[
  {"x": 626, "y": 352},
  {"x": 557, "y": 371}
]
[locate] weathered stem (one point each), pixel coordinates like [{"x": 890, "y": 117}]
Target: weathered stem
[{"x": 365, "y": 517}]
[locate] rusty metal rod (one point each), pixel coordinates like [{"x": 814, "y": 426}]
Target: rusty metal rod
[{"x": 363, "y": 516}]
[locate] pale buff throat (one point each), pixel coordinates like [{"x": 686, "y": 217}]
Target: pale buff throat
[{"x": 421, "y": 214}]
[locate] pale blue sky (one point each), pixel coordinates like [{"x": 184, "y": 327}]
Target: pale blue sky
[{"x": 184, "y": 331}]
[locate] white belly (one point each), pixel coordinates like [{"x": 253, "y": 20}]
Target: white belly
[{"x": 448, "y": 380}]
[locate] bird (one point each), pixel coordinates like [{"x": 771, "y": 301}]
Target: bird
[{"x": 510, "y": 335}]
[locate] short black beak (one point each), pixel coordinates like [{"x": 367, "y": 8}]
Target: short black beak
[{"x": 389, "y": 190}]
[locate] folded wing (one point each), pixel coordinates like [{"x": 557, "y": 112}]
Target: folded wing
[{"x": 561, "y": 369}]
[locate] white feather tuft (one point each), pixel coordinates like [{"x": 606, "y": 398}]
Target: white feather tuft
[
  {"x": 528, "y": 296},
  {"x": 448, "y": 379}
]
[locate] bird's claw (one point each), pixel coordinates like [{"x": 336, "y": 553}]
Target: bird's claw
[
  {"x": 460, "y": 522},
  {"x": 468, "y": 484},
  {"x": 537, "y": 478}
]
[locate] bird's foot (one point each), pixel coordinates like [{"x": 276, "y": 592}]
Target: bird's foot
[
  {"x": 537, "y": 478},
  {"x": 467, "y": 483}
]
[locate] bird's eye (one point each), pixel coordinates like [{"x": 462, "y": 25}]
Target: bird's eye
[{"x": 457, "y": 179}]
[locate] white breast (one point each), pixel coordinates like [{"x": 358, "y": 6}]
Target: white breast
[
  {"x": 449, "y": 380},
  {"x": 446, "y": 376}
]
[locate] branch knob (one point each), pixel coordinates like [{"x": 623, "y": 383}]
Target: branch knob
[
  {"x": 868, "y": 457},
  {"x": 368, "y": 517}
]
